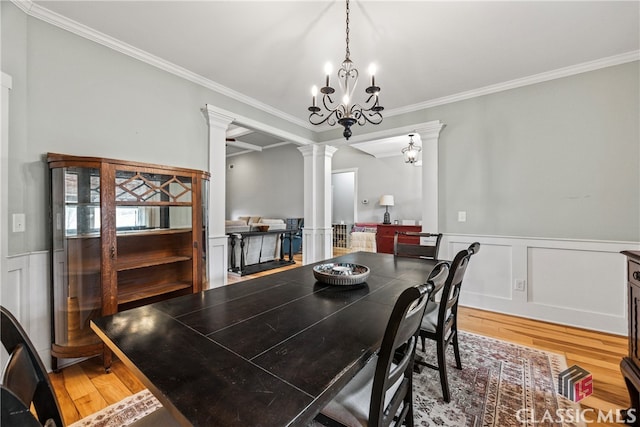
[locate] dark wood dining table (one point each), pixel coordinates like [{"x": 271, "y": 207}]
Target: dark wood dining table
[{"x": 271, "y": 351}]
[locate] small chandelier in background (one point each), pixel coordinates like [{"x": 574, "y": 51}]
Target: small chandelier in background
[
  {"x": 411, "y": 151},
  {"x": 346, "y": 113}
]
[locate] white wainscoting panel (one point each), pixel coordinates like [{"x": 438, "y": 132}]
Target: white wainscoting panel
[
  {"x": 26, "y": 295},
  {"x": 12, "y": 295},
  {"x": 490, "y": 272},
  {"x": 588, "y": 281},
  {"x": 573, "y": 282}
]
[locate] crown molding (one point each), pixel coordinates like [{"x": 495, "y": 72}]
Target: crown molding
[
  {"x": 525, "y": 81},
  {"x": 60, "y": 21},
  {"x": 37, "y": 11},
  {"x": 24, "y": 5}
]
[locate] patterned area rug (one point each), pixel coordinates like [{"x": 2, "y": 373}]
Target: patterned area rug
[
  {"x": 498, "y": 382},
  {"x": 123, "y": 413},
  {"x": 498, "y": 379}
]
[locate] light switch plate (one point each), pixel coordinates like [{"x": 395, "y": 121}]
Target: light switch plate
[
  {"x": 462, "y": 216},
  {"x": 18, "y": 223}
]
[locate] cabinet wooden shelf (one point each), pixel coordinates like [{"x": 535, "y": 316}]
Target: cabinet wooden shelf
[
  {"x": 124, "y": 234},
  {"x": 155, "y": 231},
  {"x": 128, "y": 294},
  {"x": 142, "y": 262}
]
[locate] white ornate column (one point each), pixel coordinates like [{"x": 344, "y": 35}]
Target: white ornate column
[
  {"x": 429, "y": 135},
  {"x": 217, "y": 252},
  {"x": 317, "y": 236}
]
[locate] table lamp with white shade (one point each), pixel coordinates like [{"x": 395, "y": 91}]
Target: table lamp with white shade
[{"x": 386, "y": 201}]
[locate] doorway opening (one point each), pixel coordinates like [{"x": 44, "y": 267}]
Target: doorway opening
[{"x": 344, "y": 202}]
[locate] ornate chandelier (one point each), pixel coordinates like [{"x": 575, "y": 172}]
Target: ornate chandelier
[
  {"x": 346, "y": 113},
  {"x": 411, "y": 152}
]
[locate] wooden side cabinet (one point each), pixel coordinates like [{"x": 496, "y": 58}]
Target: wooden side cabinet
[
  {"x": 386, "y": 232},
  {"x": 630, "y": 365},
  {"x": 124, "y": 234}
]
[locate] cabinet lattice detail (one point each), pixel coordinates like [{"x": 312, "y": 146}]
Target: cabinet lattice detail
[{"x": 152, "y": 188}]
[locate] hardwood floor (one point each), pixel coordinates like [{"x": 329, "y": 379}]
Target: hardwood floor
[
  {"x": 597, "y": 352},
  {"x": 84, "y": 388}
]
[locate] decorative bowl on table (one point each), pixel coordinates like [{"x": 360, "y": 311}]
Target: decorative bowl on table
[
  {"x": 262, "y": 227},
  {"x": 341, "y": 273}
]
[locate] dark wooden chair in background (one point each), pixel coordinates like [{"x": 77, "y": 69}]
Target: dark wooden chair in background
[
  {"x": 381, "y": 394},
  {"x": 408, "y": 244},
  {"x": 26, "y": 382},
  {"x": 440, "y": 319}
]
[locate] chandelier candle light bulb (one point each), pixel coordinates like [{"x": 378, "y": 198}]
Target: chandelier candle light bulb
[
  {"x": 328, "y": 69},
  {"x": 372, "y": 71}
]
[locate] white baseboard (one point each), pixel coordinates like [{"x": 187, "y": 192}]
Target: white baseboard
[{"x": 572, "y": 282}]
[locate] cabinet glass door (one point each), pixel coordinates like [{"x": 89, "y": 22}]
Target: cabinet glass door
[{"x": 77, "y": 295}]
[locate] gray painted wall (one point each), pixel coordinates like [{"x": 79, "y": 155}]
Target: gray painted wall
[
  {"x": 73, "y": 96},
  {"x": 267, "y": 184},
  {"x": 557, "y": 159},
  {"x": 390, "y": 175}
]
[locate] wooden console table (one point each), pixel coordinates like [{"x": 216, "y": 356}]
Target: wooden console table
[
  {"x": 386, "y": 232},
  {"x": 243, "y": 269}
]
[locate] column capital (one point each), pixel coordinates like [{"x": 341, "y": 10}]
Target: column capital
[
  {"x": 316, "y": 149},
  {"x": 430, "y": 130},
  {"x": 215, "y": 118}
]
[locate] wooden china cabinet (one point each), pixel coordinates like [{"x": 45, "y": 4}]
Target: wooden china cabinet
[
  {"x": 630, "y": 365},
  {"x": 124, "y": 234}
]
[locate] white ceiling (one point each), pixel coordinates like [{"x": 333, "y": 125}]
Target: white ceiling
[{"x": 274, "y": 51}]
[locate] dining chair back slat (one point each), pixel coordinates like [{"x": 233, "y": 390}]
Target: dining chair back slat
[
  {"x": 440, "y": 321},
  {"x": 416, "y": 245},
  {"x": 388, "y": 377}
]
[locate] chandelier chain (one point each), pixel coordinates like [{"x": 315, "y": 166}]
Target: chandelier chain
[{"x": 348, "y": 54}]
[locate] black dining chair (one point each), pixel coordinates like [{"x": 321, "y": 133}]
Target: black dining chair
[
  {"x": 416, "y": 245},
  {"x": 26, "y": 382},
  {"x": 440, "y": 319},
  {"x": 381, "y": 394}
]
